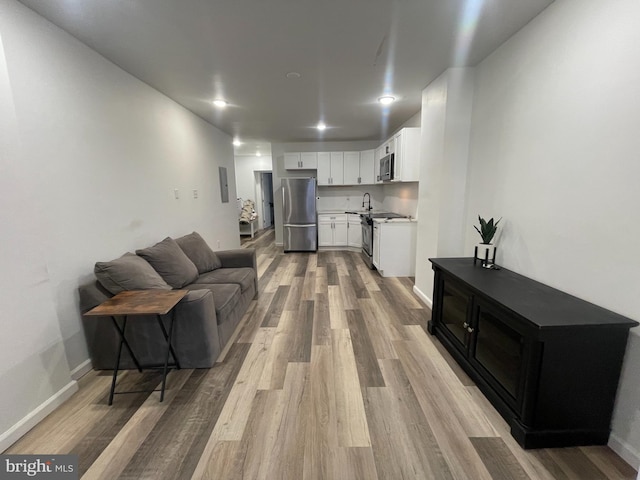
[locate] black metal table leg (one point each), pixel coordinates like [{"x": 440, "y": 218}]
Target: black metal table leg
[
  {"x": 167, "y": 336},
  {"x": 169, "y": 351},
  {"x": 124, "y": 340},
  {"x": 117, "y": 365}
]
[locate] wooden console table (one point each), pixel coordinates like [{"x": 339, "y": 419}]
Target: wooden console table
[
  {"x": 134, "y": 303},
  {"x": 549, "y": 362}
]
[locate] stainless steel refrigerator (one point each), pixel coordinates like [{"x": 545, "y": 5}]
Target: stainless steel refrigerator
[{"x": 299, "y": 215}]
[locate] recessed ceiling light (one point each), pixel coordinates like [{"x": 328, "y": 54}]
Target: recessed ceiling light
[
  {"x": 321, "y": 126},
  {"x": 258, "y": 154},
  {"x": 387, "y": 100},
  {"x": 237, "y": 143},
  {"x": 293, "y": 75},
  {"x": 220, "y": 103}
]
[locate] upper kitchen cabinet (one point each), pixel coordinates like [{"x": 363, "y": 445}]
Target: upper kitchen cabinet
[
  {"x": 301, "y": 161},
  {"x": 359, "y": 168},
  {"x": 405, "y": 145},
  {"x": 330, "y": 168}
]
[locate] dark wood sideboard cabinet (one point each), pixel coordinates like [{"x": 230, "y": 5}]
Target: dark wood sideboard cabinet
[{"x": 549, "y": 362}]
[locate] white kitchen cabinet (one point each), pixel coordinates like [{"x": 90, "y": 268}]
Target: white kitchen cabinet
[
  {"x": 379, "y": 153},
  {"x": 394, "y": 248},
  {"x": 354, "y": 231},
  {"x": 332, "y": 230},
  {"x": 376, "y": 246},
  {"x": 309, "y": 160},
  {"x": 330, "y": 168},
  {"x": 367, "y": 167},
  {"x": 351, "y": 168},
  {"x": 300, "y": 161},
  {"x": 405, "y": 146},
  {"x": 292, "y": 161},
  {"x": 359, "y": 168}
]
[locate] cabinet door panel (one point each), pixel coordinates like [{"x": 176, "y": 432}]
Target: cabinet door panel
[
  {"x": 309, "y": 160},
  {"x": 324, "y": 168},
  {"x": 337, "y": 168},
  {"x": 499, "y": 349},
  {"x": 455, "y": 314},
  {"x": 340, "y": 234},
  {"x": 376, "y": 246},
  {"x": 325, "y": 234},
  {"x": 355, "y": 234},
  {"x": 292, "y": 161},
  {"x": 367, "y": 170},
  {"x": 351, "y": 168}
]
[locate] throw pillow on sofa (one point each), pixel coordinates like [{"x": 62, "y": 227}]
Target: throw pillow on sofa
[
  {"x": 168, "y": 259},
  {"x": 194, "y": 247},
  {"x": 128, "y": 272}
]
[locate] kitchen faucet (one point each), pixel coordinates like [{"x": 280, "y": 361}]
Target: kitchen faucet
[{"x": 368, "y": 208}]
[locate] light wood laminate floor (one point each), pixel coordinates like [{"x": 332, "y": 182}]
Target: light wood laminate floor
[{"x": 331, "y": 376}]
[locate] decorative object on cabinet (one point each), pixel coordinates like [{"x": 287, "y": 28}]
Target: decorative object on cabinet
[
  {"x": 548, "y": 362},
  {"x": 486, "y": 251}
]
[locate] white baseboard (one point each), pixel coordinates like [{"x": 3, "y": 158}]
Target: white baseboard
[
  {"x": 426, "y": 300},
  {"x": 81, "y": 370},
  {"x": 625, "y": 451},
  {"x": 279, "y": 244},
  {"x": 12, "y": 435}
]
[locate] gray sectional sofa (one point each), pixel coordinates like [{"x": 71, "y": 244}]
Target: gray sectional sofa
[{"x": 221, "y": 286}]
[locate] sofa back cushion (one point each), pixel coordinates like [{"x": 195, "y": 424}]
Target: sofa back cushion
[
  {"x": 194, "y": 247},
  {"x": 170, "y": 262},
  {"x": 128, "y": 272}
]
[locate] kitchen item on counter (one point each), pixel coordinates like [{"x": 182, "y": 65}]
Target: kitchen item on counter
[{"x": 299, "y": 214}]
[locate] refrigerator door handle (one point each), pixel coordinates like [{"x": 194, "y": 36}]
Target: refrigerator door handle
[{"x": 299, "y": 225}]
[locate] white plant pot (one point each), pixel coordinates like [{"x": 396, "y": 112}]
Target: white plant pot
[{"x": 483, "y": 248}]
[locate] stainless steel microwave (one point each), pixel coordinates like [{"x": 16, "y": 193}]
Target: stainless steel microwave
[{"x": 386, "y": 167}]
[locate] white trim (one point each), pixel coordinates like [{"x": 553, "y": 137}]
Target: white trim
[
  {"x": 12, "y": 435},
  {"x": 279, "y": 244},
  {"x": 427, "y": 301},
  {"x": 81, "y": 370},
  {"x": 625, "y": 451}
]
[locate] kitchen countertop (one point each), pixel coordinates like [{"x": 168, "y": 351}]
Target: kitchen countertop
[
  {"x": 353, "y": 212},
  {"x": 364, "y": 212},
  {"x": 394, "y": 220}
]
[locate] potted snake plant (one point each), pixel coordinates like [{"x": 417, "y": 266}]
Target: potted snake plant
[{"x": 486, "y": 251}]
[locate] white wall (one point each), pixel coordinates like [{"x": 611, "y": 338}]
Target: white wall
[
  {"x": 248, "y": 185},
  {"x": 349, "y": 198},
  {"x": 446, "y": 118},
  {"x": 90, "y": 158},
  {"x": 401, "y": 198},
  {"x": 554, "y": 151},
  {"x": 246, "y": 165}
]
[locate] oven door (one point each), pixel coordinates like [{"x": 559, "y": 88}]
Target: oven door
[{"x": 367, "y": 238}]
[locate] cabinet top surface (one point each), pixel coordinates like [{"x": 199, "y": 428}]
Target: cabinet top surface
[{"x": 540, "y": 304}]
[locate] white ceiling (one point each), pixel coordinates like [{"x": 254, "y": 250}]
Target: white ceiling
[{"x": 348, "y": 53}]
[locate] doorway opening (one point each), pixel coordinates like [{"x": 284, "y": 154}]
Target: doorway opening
[{"x": 264, "y": 192}]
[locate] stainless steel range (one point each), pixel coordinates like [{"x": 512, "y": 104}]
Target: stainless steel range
[{"x": 366, "y": 221}]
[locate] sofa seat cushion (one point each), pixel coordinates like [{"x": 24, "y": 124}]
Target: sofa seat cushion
[
  {"x": 128, "y": 272},
  {"x": 225, "y": 297},
  {"x": 194, "y": 246},
  {"x": 243, "y": 276},
  {"x": 168, "y": 259}
]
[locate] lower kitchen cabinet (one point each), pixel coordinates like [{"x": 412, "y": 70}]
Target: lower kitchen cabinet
[
  {"x": 549, "y": 362},
  {"x": 354, "y": 231},
  {"x": 332, "y": 230},
  {"x": 394, "y": 248}
]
